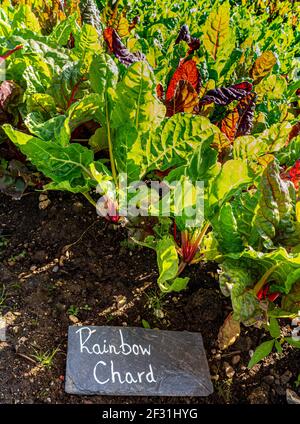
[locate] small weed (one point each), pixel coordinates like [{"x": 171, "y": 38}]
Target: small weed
[
  {"x": 73, "y": 310},
  {"x": 3, "y": 242},
  {"x": 223, "y": 388},
  {"x": 45, "y": 359},
  {"x": 3, "y": 297},
  {"x": 297, "y": 382},
  {"x": 86, "y": 308},
  {"x": 18, "y": 257},
  {"x": 155, "y": 302}
]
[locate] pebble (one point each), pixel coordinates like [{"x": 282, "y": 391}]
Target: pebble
[
  {"x": 229, "y": 371},
  {"x": 286, "y": 376},
  {"x": 236, "y": 359},
  {"x": 55, "y": 268},
  {"x": 159, "y": 313},
  {"x": 16, "y": 329},
  {"x": 73, "y": 319},
  {"x": 269, "y": 379},
  {"x": 292, "y": 397},
  {"x": 218, "y": 356}
]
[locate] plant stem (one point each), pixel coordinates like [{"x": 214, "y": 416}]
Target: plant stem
[
  {"x": 90, "y": 199},
  {"x": 263, "y": 280},
  {"x": 110, "y": 147},
  {"x": 181, "y": 267}
]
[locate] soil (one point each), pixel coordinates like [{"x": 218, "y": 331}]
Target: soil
[{"x": 63, "y": 265}]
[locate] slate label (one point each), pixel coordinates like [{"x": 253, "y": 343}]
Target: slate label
[{"x": 136, "y": 361}]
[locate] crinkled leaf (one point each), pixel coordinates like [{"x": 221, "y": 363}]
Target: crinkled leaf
[
  {"x": 275, "y": 216},
  {"x": 185, "y": 99},
  {"x": 262, "y": 66},
  {"x": 186, "y": 71},
  {"x": 116, "y": 47},
  {"x": 225, "y": 95}
]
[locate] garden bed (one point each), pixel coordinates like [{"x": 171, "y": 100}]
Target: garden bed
[{"x": 101, "y": 280}]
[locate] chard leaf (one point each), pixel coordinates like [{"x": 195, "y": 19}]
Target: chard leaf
[
  {"x": 167, "y": 259},
  {"x": 262, "y": 66},
  {"x": 217, "y": 34},
  {"x": 47, "y": 130},
  {"x": 176, "y": 139},
  {"x": 275, "y": 217},
  {"x": 291, "y": 302},
  {"x": 225, "y": 95},
  {"x": 116, "y": 47},
  {"x": 89, "y": 13},
  {"x": 226, "y": 230},
  {"x": 234, "y": 175},
  {"x": 24, "y": 17},
  {"x": 229, "y": 332},
  {"x": 62, "y": 31},
  {"x": 136, "y": 112},
  {"x": 40, "y": 102},
  {"x": 68, "y": 167},
  {"x": 68, "y": 86},
  {"x": 103, "y": 75},
  {"x": 274, "y": 328},
  {"x": 261, "y": 352},
  {"x": 86, "y": 44},
  {"x": 82, "y": 111}
]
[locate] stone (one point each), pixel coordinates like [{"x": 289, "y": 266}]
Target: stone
[
  {"x": 236, "y": 359},
  {"x": 292, "y": 397},
  {"x": 229, "y": 371},
  {"x": 269, "y": 379},
  {"x": 136, "y": 361},
  {"x": 73, "y": 319},
  {"x": 286, "y": 376}
]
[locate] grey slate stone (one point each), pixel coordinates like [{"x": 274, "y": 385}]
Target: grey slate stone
[{"x": 162, "y": 363}]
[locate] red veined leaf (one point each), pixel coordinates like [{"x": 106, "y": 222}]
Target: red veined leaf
[
  {"x": 184, "y": 35},
  {"x": 116, "y": 47},
  {"x": 160, "y": 92},
  {"x": 239, "y": 121},
  {"x": 9, "y": 90},
  {"x": 294, "y": 132},
  {"x": 10, "y": 52},
  {"x": 229, "y": 124},
  {"x": 246, "y": 108},
  {"x": 185, "y": 99},
  {"x": 225, "y": 95},
  {"x": 186, "y": 71}
]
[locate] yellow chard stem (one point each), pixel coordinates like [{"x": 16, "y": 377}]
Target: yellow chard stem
[{"x": 263, "y": 280}]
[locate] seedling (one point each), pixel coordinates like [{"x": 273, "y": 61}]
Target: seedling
[{"x": 45, "y": 359}]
